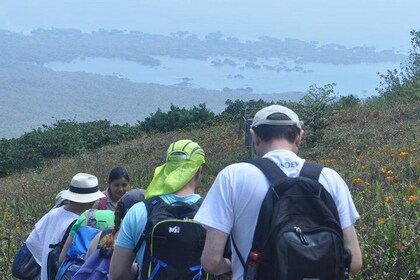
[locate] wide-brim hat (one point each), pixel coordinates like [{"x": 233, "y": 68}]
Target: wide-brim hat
[
  {"x": 183, "y": 159},
  {"x": 83, "y": 189}
]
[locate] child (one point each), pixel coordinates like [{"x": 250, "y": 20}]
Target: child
[{"x": 118, "y": 182}]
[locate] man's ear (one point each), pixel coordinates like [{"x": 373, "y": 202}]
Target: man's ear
[
  {"x": 299, "y": 137},
  {"x": 199, "y": 173},
  {"x": 255, "y": 139}
]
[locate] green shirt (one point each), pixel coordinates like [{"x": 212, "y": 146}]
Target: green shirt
[{"x": 104, "y": 219}]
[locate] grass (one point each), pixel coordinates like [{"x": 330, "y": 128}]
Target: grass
[{"x": 375, "y": 149}]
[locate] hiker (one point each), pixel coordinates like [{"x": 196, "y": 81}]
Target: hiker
[
  {"x": 24, "y": 265},
  {"x": 127, "y": 200},
  {"x": 50, "y": 229},
  {"x": 98, "y": 258},
  {"x": 102, "y": 219},
  {"x": 234, "y": 200},
  {"x": 173, "y": 185},
  {"x": 118, "y": 182}
]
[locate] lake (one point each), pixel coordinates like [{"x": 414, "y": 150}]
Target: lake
[{"x": 272, "y": 75}]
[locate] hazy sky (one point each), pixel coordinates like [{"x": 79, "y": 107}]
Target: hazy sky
[{"x": 380, "y": 23}]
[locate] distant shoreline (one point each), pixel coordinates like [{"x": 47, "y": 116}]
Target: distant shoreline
[{"x": 33, "y": 95}]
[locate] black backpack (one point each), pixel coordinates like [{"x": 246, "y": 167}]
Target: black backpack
[
  {"x": 174, "y": 242},
  {"x": 52, "y": 262},
  {"x": 298, "y": 233}
]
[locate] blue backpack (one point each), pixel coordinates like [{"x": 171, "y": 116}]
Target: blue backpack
[
  {"x": 75, "y": 256},
  {"x": 25, "y": 265},
  {"x": 96, "y": 266}
]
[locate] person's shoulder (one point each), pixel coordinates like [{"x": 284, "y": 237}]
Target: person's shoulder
[
  {"x": 135, "y": 215},
  {"x": 171, "y": 198},
  {"x": 193, "y": 198},
  {"x": 332, "y": 180},
  {"x": 59, "y": 216},
  {"x": 328, "y": 171},
  {"x": 238, "y": 166},
  {"x": 139, "y": 206},
  {"x": 55, "y": 212},
  {"x": 60, "y": 212}
]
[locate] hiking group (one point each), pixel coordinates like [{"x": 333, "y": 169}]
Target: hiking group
[{"x": 274, "y": 217}]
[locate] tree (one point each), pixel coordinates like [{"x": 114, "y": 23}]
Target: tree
[
  {"x": 316, "y": 110},
  {"x": 235, "y": 109},
  {"x": 404, "y": 84},
  {"x": 177, "y": 118},
  {"x": 346, "y": 102}
]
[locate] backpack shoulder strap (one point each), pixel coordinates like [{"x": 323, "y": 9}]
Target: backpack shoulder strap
[
  {"x": 66, "y": 234},
  {"x": 90, "y": 218},
  {"x": 199, "y": 202},
  {"x": 273, "y": 174},
  {"x": 269, "y": 168},
  {"x": 194, "y": 206},
  {"x": 311, "y": 170},
  {"x": 148, "y": 203},
  {"x": 241, "y": 258}
]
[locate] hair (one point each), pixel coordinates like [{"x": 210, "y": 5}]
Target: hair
[
  {"x": 268, "y": 132},
  {"x": 108, "y": 240},
  {"x": 118, "y": 172}
]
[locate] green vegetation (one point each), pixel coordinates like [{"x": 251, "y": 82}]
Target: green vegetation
[
  {"x": 373, "y": 144},
  {"x": 404, "y": 84},
  {"x": 69, "y": 137}
]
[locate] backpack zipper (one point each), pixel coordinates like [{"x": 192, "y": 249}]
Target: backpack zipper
[{"x": 301, "y": 236}]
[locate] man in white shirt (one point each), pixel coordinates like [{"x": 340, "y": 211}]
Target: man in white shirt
[
  {"x": 232, "y": 205},
  {"x": 50, "y": 229}
]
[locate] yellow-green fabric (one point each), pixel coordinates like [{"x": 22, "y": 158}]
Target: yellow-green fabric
[
  {"x": 104, "y": 219},
  {"x": 183, "y": 159}
]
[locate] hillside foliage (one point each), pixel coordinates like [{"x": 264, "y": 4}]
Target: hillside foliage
[{"x": 69, "y": 137}]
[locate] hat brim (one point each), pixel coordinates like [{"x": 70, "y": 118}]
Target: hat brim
[
  {"x": 169, "y": 179},
  {"x": 82, "y": 198}
]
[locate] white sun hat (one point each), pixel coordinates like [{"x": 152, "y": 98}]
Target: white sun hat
[{"x": 83, "y": 189}]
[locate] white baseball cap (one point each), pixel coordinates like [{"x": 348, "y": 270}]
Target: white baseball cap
[{"x": 263, "y": 116}]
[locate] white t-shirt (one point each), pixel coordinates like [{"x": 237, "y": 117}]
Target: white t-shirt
[
  {"x": 233, "y": 202},
  {"x": 48, "y": 230}
]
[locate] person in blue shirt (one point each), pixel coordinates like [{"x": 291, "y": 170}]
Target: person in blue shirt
[{"x": 174, "y": 181}]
